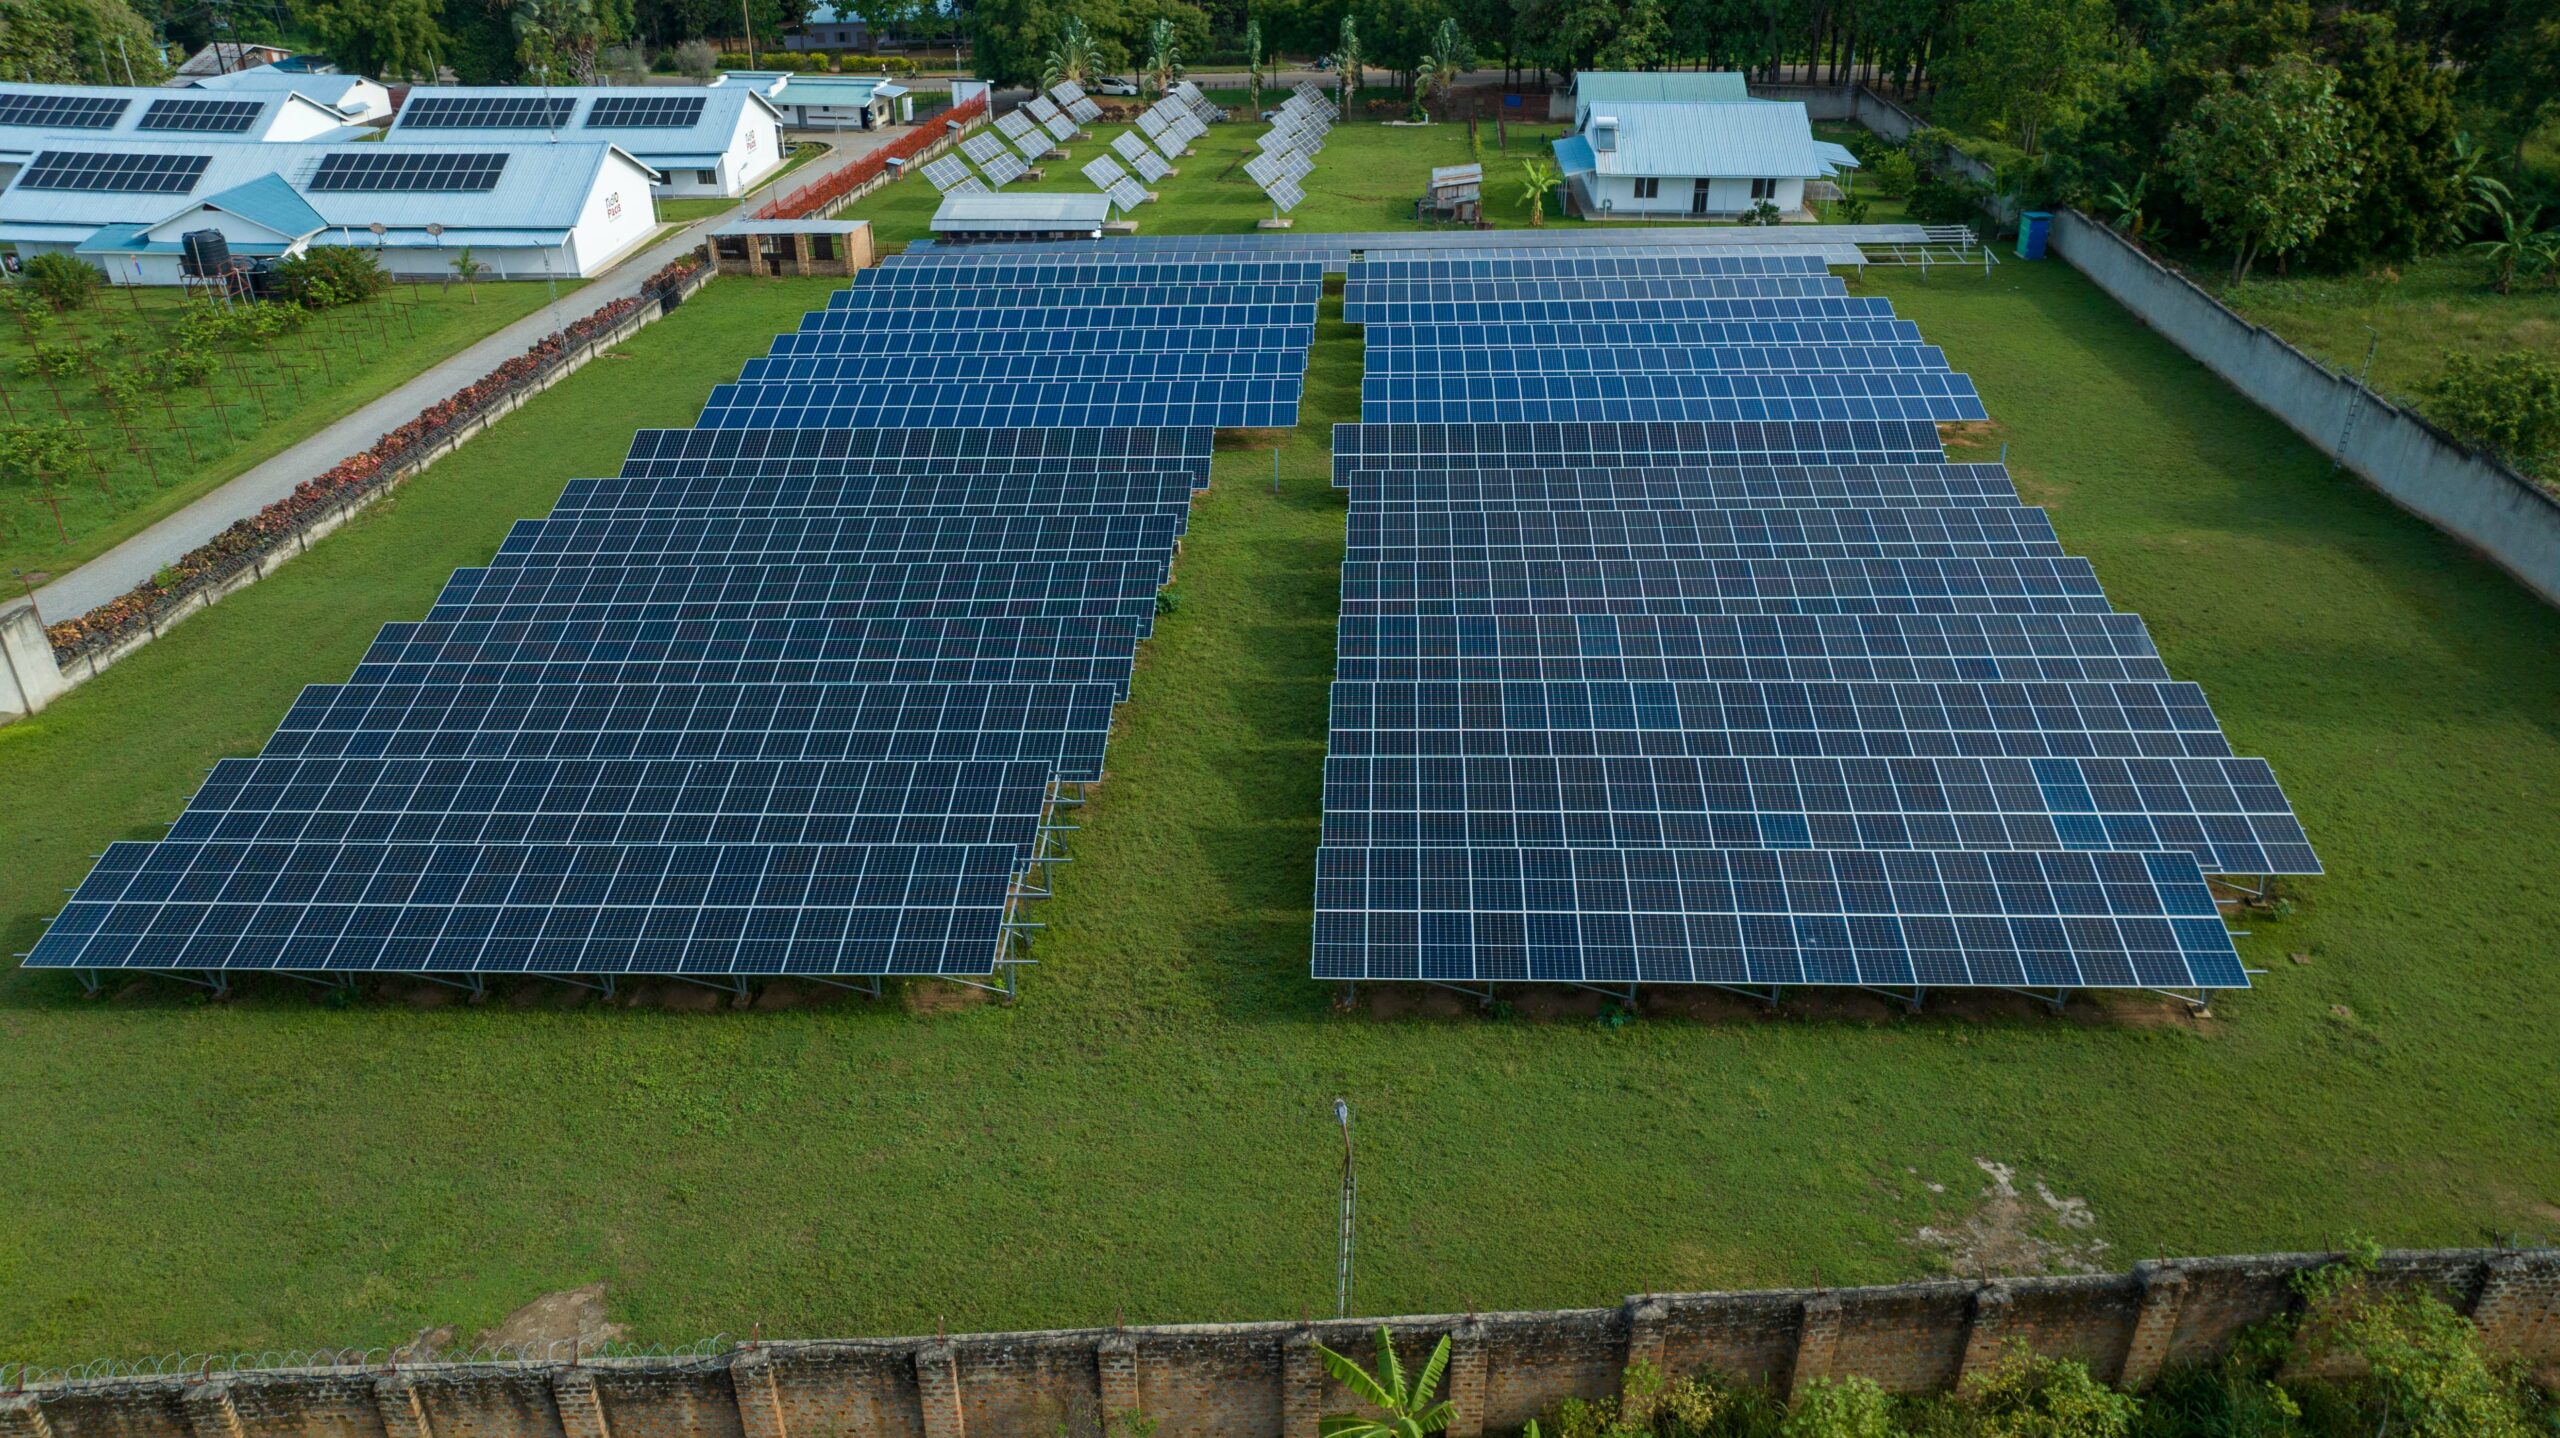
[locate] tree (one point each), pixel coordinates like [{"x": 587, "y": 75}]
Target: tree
[
  {"x": 1346, "y": 63},
  {"x": 2266, "y": 161},
  {"x": 2511, "y": 237},
  {"x": 697, "y": 60},
  {"x": 1164, "y": 56},
  {"x": 468, "y": 269},
  {"x": 556, "y": 40},
  {"x": 1642, "y": 42},
  {"x": 390, "y": 38},
  {"x": 1073, "y": 57},
  {"x": 2402, "y": 124},
  {"x": 1537, "y": 179},
  {"x": 1253, "y": 63},
  {"x": 1406, "y": 1408},
  {"x": 1440, "y": 69},
  {"x": 70, "y": 42},
  {"x": 2022, "y": 63}
]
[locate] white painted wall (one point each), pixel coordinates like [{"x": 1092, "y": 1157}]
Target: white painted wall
[
  {"x": 619, "y": 213},
  {"x": 1725, "y": 196}
]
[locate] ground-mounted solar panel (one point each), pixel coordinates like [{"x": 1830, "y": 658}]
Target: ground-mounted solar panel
[
  {"x": 63, "y": 112},
  {"x": 202, "y": 117},
  {"x": 1285, "y": 194},
  {"x": 1151, "y": 122},
  {"x": 1084, "y": 110},
  {"x": 1041, "y": 108},
  {"x": 1131, "y": 146},
  {"x": 1033, "y": 144},
  {"x": 645, "y": 112},
  {"x": 150, "y": 172},
  {"x": 1060, "y": 125},
  {"x": 987, "y": 150},
  {"x": 949, "y": 175},
  {"x": 1065, "y": 93},
  {"x": 1107, "y": 176},
  {"x": 396, "y": 170},
  {"x": 486, "y": 112},
  {"x": 1015, "y": 124}
]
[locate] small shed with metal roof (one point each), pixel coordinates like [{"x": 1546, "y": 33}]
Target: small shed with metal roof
[{"x": 1025, "y": 215}]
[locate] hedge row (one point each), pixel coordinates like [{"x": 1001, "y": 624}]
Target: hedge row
[
  {"x": 814, "y": 198},
  {"x": 382, "y": 464}
]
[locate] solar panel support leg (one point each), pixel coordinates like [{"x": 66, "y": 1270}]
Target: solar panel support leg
[
  {"x": 1910, "y": 1000},
  {"x": 88, "y": 981},
  {"x": 2053, "y": 1000}
]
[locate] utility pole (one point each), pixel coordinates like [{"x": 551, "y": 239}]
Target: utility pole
[
  {"x": 1350, "y": 1197},
  {"x": 748, "y": 24}
]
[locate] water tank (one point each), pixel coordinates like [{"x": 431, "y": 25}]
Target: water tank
[
  {"x": 208, "y": 253},
  {"x": 2032, "y": 227}
]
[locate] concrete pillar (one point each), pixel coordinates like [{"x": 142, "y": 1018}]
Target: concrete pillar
[
  {"x": 210, "y": 1411},
  {"x": 1468, "y": 1370},
  {"x": 1986, "y": 1332},
  {"x": 403, "y": 1416},
  {"x": 1115, "y": 1365},
  {"x": 2518, "y": 1311},
  {"x": 581, "y": 1408},
  {"x": 1645, "y": 1318},
  {"x": 21, "y": 1416},
  {"x": 2155, "y": 1323},
  {"x": 1301, "y": 1385},
  {"x": 938, "y": 1391},
  {"x": 29, "y": 679},
  {"x": 759, "y": 1396},
  {"x": 1817, "y": 1338}
]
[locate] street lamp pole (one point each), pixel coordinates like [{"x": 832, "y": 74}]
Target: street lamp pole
[{"x": 1350, "y": 1196}]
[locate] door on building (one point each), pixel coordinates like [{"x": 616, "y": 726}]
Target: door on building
[{"x": 1698, "y": 197}]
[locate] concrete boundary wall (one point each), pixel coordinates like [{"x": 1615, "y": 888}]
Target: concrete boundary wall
[
  {"x": 2468, "y": 495},
  {"x": 1264, "y": 1380}
]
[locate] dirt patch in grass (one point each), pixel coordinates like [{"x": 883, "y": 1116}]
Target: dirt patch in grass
[
  {"x": 928, "y": 996},
  {"x": 2012, "y": 1231},
  {"x": 570, "y": 1315}
]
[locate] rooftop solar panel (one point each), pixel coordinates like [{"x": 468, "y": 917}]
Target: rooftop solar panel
[
  {"x": 486, "y": 112},
  {"x": 114, "y": 172},
  {"x": 205, "y": 117},
  {"x": 645, "y": 112},
  {"x": 63, "y": 112},
  {"x": 407, "y": 171}
]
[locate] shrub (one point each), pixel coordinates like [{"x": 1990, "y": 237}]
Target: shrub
[
  {"x": 2425, "y": 1375},
  {"x": 1890, "y": 173},
  {"x": 30, "y": 452},
  {"x": 184, "y": 364},
  {"x": 697, "y": 59},
  {"x": 2508, "y": 404},
  {"x": 1939, "y": 200},
  {"x": 1847, "y": 1408},
  {"x": 57, "y": 362},
  {"x": 326, "y": 276},
  {"x": 62, "y": 281},
  {"x": 2031, "y": 1396}
]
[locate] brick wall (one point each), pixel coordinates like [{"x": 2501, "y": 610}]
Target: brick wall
[{"x": 1262, "y": 1380}]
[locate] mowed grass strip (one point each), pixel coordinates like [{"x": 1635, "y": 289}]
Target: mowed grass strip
[
  {"x": 171, "y": 448},
  {"x": 1148, "y": 1133}
]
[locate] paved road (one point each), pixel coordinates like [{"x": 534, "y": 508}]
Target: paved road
[{"x": 138, "y": 558}]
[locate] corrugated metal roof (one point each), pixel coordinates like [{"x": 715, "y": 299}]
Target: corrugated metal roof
[
  {"x": 1614, "y": 87},
  {"x": 666, "y": 145},
  {"x": 20, "y": 139},
  {"x": 543, "y": 186},
  {"x": 784, "y": 87},
  {"x": 269, "y": 201},
  {"x": 353, "y": 94},
  {"x": 792, "y": 227},
  {"x": 1028, "y": 210},
  {"x": 1755, "y": 139},
  {"x": 1838, "y": 157}
]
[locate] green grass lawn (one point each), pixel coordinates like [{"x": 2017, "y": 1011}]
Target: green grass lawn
[
  {"x": 174, "y": 447},
  {"x": 2411, "y": 317},
  {"x": 1366, "y": 178},
  {"x": 1148, "y": 1132}
]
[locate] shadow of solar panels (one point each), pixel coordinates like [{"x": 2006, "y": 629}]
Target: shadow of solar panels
[{"x": 1671, "y": 650}]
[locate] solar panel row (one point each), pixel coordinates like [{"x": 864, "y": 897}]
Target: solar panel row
[
  {"x": 773, "y": 700},
  {"x": 1673, "y": 651}
]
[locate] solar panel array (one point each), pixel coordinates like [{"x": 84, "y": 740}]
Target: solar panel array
[
  {"x": 1107, "y": 176},
  {"x": 995, "y": 160},
  {"x": 487, "y": 112},
  {"x": 1071, "y": 98},
  {"x": 63, "y": 112},
  {"x": 202, "y": 117},
  {"x": 645, "y": 112},
  {"x": 1132, "y": 147},
  {"x": 408, "y": 172},
  {"x": 949, "y": 175},
  {"x": 123, "y": 172},
  {"x": 796, "y": 692},
  {"x": 1725, "y": 676}
]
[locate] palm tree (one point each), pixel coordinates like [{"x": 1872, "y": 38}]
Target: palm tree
[
  {"x": 1537, "y": 178},
  {"x": 1407, "y": 1410},
  {"x": 1164, "y": 57},
  {"x": 1074, "y": 57},
  {"x": 1346, "y": 63},
  {"x": 1440, "y": 69},
  {"x": 2511, "y": 238},
  {"x": 2126, "y": 202},
  {"x": 1253, "y": 62}
]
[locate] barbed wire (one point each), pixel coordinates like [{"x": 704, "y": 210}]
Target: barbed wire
[{"x": 114, "y": 1376}]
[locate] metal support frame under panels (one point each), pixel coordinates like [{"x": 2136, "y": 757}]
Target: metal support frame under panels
[{"x": 1945, "y": 245}]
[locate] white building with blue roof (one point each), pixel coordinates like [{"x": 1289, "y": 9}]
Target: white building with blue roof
[
  {"x": 703, "y": 140},
  {"x": 32, "y": 115},
  {"x": 1629, "y": 87},
  {"x": 524, "y": 210},
  {"x": 823, "y": 102},
  {"x": 368, "y": 102},
  {"x": 1698, "y": 159}
]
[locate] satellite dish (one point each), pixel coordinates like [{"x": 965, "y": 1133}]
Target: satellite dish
[
  {"x": 434, "y": 228},
  {"x": 378, "y": 227}
]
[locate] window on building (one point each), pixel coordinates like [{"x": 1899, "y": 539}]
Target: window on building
[
  {"x": 1764, "y": 189},
  {"x": 706, "y": 177},
  {"x": 1648, "y": 188},
  {"x": 822, "y": 247}
]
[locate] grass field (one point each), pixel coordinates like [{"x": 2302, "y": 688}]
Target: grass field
[
  {"x": 173, "y": 447},
  {"x": 1148, "y": 1133}
]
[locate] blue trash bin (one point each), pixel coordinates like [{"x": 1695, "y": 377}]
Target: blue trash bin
[{"x": 2031, "y": 231}]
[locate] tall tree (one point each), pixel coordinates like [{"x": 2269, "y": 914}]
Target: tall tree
[
  {"x": 2267, "y": 160},
  {"x": 395, "y": 39},
  {"x": 1347, "y": 62},
  {"x": 74, "y": 42},
  {"x": 2401, "y": 124},
  {"x": 2022, "y": 63},
  {"x": 1253, "y": 64},
  {"x": 1642, "y": 41},
  {"x": 1164, "y": 56}
]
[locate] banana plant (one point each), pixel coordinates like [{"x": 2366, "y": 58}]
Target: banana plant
[
  {"x": 1405, "y": 1409},
  {"x": 1537, "y": 178},
  {"x": 2510, "y": 241}
]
